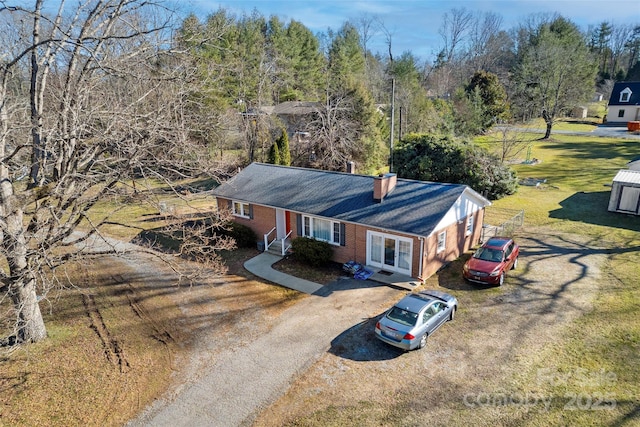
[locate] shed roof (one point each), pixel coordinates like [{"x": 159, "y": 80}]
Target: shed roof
[
  {"x": 627, "y": 176},
  {"x": 413, "y": 207}
]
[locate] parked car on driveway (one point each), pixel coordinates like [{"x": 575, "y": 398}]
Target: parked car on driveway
[
  {"x": 491, "y": 261},
  {"x": 415, "y": 317}
]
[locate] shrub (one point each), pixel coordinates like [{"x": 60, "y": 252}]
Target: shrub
[
  {"x": 244, "y": 236},
  {"x": 310, "y": 251},
  {"x": 444, "y": 159}
]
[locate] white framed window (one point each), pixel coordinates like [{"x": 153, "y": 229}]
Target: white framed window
[
  {"x": 442, "y": 241},
  {"x": 469, "y": 225},
  {"x": 625, "y": 95},
  {"x": 321, "y": 229},
  {"x": 241, "y": 209},
  {"x": 620, "y": 113}
]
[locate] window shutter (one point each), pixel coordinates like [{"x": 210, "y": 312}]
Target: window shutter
[
  {"x": 342, "y": 234},
  {"x": 299, "y": 224},
  {"x": 250, "y": 211}
]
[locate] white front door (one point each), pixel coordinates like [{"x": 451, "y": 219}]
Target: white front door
[
  {"x": 389, "y": 252},
  {"x": 281, "y": 224}
]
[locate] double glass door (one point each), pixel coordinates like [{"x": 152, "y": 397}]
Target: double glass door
[{"x": 388, "y": 252}]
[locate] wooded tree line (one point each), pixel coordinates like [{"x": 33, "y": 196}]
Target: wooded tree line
[
  {"x": 483, "y": 74},
  {"x": 98, "y": 98}
]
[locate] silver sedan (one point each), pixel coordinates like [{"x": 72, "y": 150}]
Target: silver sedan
[{"x": 415, "y": 317}]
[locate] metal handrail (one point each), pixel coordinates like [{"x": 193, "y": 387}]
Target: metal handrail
[
  {"x": 284, "y": 250},
  {"x": 266, "y": 239}
]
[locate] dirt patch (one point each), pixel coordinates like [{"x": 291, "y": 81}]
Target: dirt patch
[
  {"x": 112, "y": 347},
  {"x": 493, "y": 340}
]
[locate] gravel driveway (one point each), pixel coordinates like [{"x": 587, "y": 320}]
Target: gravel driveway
[
  {"x": 273, "y": 369},
  {"x": 253, "y": 371}
]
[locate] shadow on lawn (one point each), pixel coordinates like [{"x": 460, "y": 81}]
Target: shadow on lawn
[
  {"x": 359, "y": 343},
  {"x": 591, "y": 208}
]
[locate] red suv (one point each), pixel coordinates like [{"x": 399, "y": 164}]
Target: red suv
[{"x": 491, "y": 261}]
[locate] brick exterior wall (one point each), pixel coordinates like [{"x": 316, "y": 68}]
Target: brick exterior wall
[
  {"x": 457, "y": 243},
  {"x": 264, "y": 218},
  {"x": 355, "y": 248}
]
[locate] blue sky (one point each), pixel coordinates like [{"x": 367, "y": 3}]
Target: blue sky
[{"x": 414, "y": 24}]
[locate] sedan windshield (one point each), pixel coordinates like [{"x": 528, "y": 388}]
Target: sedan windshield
[
  {"x": 404, "y": 317},
  {"x": 488, "y": 254}
]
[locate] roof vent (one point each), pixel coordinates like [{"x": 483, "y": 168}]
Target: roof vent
[{"x": 351, "y": 167}]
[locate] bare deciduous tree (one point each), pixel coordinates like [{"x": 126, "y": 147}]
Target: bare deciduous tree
[
  {"x": 512, "y": 143},
  {"x": 91, "y": 99},
  {"x": 455, "y": 28},
  {"x": 336, "y": 131}
]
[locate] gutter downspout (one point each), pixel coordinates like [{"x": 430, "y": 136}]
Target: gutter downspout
[{"x": 421, "y": 239}]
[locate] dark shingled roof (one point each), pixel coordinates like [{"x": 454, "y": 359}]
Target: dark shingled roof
[
  {"x": 414, "y": 207},
  {"x": 619, "y": 87}
]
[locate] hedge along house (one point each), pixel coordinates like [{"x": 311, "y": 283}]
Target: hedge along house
[
  {"x": 388, "y": 224},
  {"x": 624, "y": 103}
]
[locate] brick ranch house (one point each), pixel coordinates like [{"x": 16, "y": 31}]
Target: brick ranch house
[{"x": 397, "y": 225}]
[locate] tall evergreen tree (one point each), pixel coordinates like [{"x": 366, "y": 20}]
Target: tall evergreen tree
[
  {"x": 297, "y": 60},
  {"x": 493, "y": 95},
  {"x": 284, "y": 154},
  {"x": 346, "y": 56},
  {"x": 274, "y": 154},
  {"x": 600, "y": 46}
]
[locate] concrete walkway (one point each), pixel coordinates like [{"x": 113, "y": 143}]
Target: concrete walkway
[{"x": 261, "y": 266}]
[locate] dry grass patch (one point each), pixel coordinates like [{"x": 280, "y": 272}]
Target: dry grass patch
[
  {"x": 323, "y": 275},
  {"x": 109, "y": 353},
  {"x": 128, "y": 333}
]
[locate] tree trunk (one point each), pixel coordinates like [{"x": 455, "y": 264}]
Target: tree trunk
[
  {"x": 30, "y": 325},
  {"x": 21, "y": 282},
  {"x": 549, "y": 121}
]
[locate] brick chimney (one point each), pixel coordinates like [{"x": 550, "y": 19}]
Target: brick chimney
[{"x": 383, "y": 184}]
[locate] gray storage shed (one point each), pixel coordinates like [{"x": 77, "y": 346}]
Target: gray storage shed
[{"x": 625, "y": 192}]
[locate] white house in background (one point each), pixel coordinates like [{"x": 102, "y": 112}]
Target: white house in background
[{"x": 624, "y": 104}]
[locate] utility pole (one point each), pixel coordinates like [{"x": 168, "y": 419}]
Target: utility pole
[{"x": 393, "y": 96}]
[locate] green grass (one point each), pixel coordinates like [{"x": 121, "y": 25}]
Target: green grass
[
  {"x": 129, "y": 214},
  {"x": 596, "y": 374}
]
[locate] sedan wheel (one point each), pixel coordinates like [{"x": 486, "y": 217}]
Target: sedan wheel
[
  {"x": 423, "y": 341},
  {"x": 515, "y": 264},
  {"x": 452, "y": 314},
  {"x": 501, "y": 280}
]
